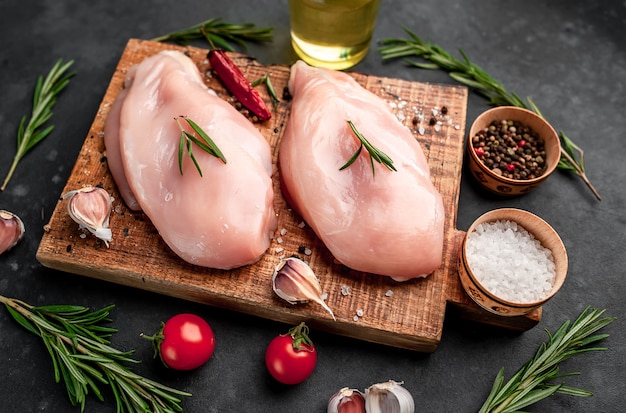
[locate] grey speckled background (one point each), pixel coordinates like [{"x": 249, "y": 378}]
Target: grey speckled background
[{"x": 570, "y": 56}]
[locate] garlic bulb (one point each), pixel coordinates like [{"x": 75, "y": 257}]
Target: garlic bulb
[
  {"x": 90, "y": 208},
  {"x": 295, "y": 282},
  {"x": 388, "y": 397},
  {"x": 346, "y": 401},
  {"x": 11, "y": 230}
]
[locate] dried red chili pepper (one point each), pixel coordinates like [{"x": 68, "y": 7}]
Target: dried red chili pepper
[{"x": 237, "y": 84}]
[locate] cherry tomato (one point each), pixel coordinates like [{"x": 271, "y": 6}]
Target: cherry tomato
[
  {"x": 291, "y": 358},
  {"x": 185, "y": 342}
]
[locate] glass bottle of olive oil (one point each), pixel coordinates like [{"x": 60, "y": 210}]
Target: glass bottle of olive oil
[{"x": 335, "y": 34}]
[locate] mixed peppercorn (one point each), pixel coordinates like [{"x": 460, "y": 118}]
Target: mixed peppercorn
[{"x": 511, "y": 149}]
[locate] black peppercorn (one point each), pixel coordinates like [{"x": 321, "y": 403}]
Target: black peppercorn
[{"x": 510, "y": 149}]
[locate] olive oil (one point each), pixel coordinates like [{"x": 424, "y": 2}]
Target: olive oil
[{"x": 332, "y": 33}]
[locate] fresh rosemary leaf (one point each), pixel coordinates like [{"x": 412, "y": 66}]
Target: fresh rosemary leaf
[
  {"x": 22, "y": 320},
  {"x": 204, "y": 142},
  {"x": 353, "y": 158},
  {"x": 374, "y": 153},
  {"x": 190, "y": 152},
  {"x": 208, "y": 145},
  {"x": 84, "y": 361},
  {"x": 29, "y": 132},
  {"x": 221, "y": 34},
  {"x": 265, "y": 79},
  {"x": 62, "y": 309},
  {"x": 535, "y": 380},
  {"x": 181, "y": 150},
  {"x": 471, "y": 75}
]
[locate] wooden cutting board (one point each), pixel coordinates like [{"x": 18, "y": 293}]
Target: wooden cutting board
[{"x": 407, "y": 315}]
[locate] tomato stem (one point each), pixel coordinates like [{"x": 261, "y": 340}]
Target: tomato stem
[
  {"x": 300, "y": 334},
  {"x": 156, "y": 339}
]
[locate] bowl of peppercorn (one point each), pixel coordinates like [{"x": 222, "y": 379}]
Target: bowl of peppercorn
[{"x": 512, "y": 150}]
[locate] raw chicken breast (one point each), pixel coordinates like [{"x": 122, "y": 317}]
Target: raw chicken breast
[
  {"x": 114, "y": 156},
  {"x": 388, "y": 223},
  {"x": 223, "y": 219}
]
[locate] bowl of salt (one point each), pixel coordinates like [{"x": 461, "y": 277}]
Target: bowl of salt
[{"x": 511, "y": 262}]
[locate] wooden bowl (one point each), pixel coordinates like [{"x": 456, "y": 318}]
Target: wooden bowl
[
  {"x": 503, "y": 185},
  {"x": 543, "y": 232}
]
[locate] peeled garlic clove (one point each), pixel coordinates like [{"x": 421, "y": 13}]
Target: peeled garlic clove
[
  {"x": 346, "y": 401},
  {"x": 295, "y": 282},
  {"x": 11, "y": 230},
  {"x": 90, "y": 208},
  {"x": 388, "y": 397}
]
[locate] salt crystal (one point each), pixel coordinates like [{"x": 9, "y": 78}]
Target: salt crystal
[
  {"x": 345, "y": 290},
  {"x": 359, "y": 312},
  {"x": 301, "y": 224},
  {"x": 389, "y": 293},
  {"x": 283, "y": 231}
]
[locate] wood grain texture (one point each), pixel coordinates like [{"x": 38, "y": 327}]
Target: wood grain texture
[{"x": 407, "y": 315}]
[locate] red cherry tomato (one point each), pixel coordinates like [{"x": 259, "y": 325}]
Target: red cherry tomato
[
  {"x": 291, "y": 358},
  {"x": 185, "y": 342}
]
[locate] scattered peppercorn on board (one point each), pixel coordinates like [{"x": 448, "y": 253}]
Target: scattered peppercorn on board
[{"x": 368, "y": 307}]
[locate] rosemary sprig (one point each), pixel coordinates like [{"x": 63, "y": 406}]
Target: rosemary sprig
[
  {"x": 265, "y": 79},
  {"x": 473, "y": 76},
  {"x": 375, "y": 153},
  {"x": 83, "y": 358},
  {"x": 217, "y": 32},
  {"x": 534, "y": 381},
  {"x": 187, "y": 139},
  {"x": 44, "y": 97}
]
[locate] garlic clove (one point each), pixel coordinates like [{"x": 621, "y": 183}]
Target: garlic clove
[
  {"x": 90, "y": 208},
  {"x": 346, "y": 401},
  {"x": 295, "y": 282},
  {"x": 388, "y": 397},
  {"x": 11, "y": 230}
]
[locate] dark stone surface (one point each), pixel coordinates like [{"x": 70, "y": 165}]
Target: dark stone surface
[{"x": 570, "y": 56}]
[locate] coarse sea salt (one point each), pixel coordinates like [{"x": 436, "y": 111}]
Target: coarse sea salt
[{"x": 510, "y": 262}]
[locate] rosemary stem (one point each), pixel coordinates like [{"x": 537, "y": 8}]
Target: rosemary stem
[
  {"x": 578, "y": 171},
  {"x": 82, "y": 355},
  {"x": 44, "y": 98},
  {"x": 26, "y": 310},
  {"x": 506, "y": 402},
  {"x": 471, "y": 75},
  {"x": 17, "y": 305},
  {"x": 16, "y": 160}
]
